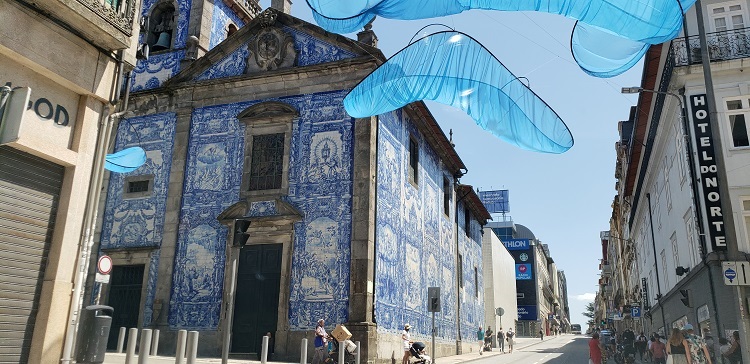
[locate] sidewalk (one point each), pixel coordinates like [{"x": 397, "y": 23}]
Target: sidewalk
[{"x": 521, "y": 342}]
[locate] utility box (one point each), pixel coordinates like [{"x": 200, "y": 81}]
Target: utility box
[
  {"x": 93, "y": 333},
  {"x": 340, "y": 333}
]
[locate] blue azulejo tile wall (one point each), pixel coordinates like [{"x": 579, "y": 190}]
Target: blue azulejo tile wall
[
  {"x": 415, "y": 246},
  {"x": 471, "y": 296},
  {"x": 222, "y": 17},
  {"x": 310, "y": 51},
  {"x": 320, "y": 174},
  {"x": 138, "y": 222}
]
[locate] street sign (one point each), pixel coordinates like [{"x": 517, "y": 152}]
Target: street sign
[
  {"x": 104, "y": 265},
  {"x": 499, "y": 311},
  {"x": 736, "y": 273},
  {"x": 636, "y": 312},
  {"x": 433, "y": 299},
  {"x": 102, "y": 278}
]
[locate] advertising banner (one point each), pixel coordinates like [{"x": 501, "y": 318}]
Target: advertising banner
[
  {"x": 523, "y": 272},
  {"x": 527, "y": 313},
  {"x": 516, "y": 244},
  {"x": 495, "y": 201}
]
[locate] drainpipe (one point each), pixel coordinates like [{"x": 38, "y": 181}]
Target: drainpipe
[
  {"x": 656, "y": 267},
  {"x": 106, "y": 122}
]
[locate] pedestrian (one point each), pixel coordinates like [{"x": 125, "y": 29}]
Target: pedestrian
[
  {"x": 488, "y": 338},
  {"x": 321, "y": 341},
  {"x": 501, "y": 339},
  {"x": 698, "y": 348},
  {"x": 658, "y": 350},
  {"x": 724, "y": 346},
  {"x": 480, "y": 337},
  {"x": 640, "y": 345},
  {"x": 595, "y": 350},
  {"x": 734, "y": 354},
  {"x": 406, "y": 338},
  {"x": 677, "y": 348},
  {"x": 509, "y": 337},
  {"x": 541, "y": 335}
]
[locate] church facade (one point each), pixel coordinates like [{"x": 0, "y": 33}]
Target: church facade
[{"x": 264, "y": 207}]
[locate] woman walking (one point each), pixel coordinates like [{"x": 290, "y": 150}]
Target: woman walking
[{"x": 677, "y": 348}]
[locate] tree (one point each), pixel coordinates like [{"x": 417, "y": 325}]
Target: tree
[{"x": 590, "y": 314}]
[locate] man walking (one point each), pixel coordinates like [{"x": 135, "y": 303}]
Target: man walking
[{"x": 501, "y": 339}]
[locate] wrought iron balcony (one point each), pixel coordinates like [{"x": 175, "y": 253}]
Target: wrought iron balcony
[
  {"x": 722, "y": 46},
  {"x": 606, "y": 270}
]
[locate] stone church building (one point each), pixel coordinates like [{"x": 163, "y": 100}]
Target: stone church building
[{"x": 264, "y": 207}]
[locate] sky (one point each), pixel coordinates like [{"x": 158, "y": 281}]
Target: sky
[{"x": 565, "y": 199}]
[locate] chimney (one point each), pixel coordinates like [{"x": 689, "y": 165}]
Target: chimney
[
  {"x": 367, "y": 36},
  {"x": 284, "y": 6}
]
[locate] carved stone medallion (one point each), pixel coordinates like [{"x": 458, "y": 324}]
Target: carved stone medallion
[{"x": 271, "y": 49}]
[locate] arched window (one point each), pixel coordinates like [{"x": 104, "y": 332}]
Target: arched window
[
  {"x": 231, "y": 29},
  {"x": 161, "y": 26}
]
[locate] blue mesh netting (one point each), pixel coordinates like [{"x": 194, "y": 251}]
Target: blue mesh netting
[
  {"x": 628, "y": 26},
  {"x": 126, "y": 160},
  {"x": 454, "y": 69}
]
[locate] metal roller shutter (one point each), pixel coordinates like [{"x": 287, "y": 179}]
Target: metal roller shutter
[{"x": 29, "y": 194}]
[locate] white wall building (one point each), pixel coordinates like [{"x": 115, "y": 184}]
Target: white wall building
[{"x": 499, "y": 283}]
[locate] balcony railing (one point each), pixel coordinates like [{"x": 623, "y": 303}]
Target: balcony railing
[
  {"x": 722, "y": 46},
  {"x": 119, "y": 13}
]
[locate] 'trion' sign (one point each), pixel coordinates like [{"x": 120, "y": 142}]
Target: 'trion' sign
[{"x": 707, "y": 169}]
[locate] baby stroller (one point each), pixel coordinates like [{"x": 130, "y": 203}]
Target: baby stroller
[
  {"x": 333, "y": 352},
  {"x": 417, "y": 354},
  {"x": 487, "y": 344}
]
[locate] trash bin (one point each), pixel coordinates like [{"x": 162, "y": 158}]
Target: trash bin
[{"x": 93, "y": 333}]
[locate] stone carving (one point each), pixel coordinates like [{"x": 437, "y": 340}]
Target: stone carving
[
  {"x": 267, "y": 18},
  {"x": 271, "y": 49}
]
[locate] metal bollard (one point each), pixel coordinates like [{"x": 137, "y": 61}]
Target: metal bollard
[
  {"x": 303, "y": 352},
  {"x": 179, "y": 356},
  {"x": 342, "y": 350},
  {"x": 264, "y": 350},
  {"x": 192, "y": 346},
  {"x": 358, "y": 351},
  {"x": 132, "y": 337},
  {"x": 155, "y": 343},
  {"x": 145, "y": 347},
  {"x": 121, "y": 339}
]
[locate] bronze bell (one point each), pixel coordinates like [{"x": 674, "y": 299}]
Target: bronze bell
[{"x": 164, "y": 42}]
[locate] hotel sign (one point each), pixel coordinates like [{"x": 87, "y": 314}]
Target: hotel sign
[{"x": 708, "y": 171}]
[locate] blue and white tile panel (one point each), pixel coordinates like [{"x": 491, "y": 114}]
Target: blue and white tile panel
[
  {"x": 415, "y": 241},
  {"x": 222, "y": 17},
  {"x": 319, "y": 186}
]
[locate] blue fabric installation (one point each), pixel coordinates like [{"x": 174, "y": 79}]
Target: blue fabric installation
[
  {"x": 628, "y": 26},
  {"x": 454, "y": 69},
  {"x": 126, "y": 160}
]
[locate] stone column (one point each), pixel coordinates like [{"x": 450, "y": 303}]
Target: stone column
[
  {"x": 361, "y": 294},
  {"x": 284, "y": 6}
]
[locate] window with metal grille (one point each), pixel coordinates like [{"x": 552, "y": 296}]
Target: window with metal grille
[
  {"x": 138, "y": 186},
  {"x": 467, "y": 222},
  {"x": 267, "y": 162},
  {"x": 413, "y": 161}
]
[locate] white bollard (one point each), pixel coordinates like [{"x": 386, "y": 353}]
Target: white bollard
[
  {"x": 303, "y": 352},
  {"x": 145, "y": 347},
  {"x": 342, "y": 350},
  {"x": 264, "y": 350},
  {"x": 155, "y": 343},
  {"x": 192, "y": 346},
  {"x": 132, "y": 337},
  {"x": 358, "y": 351},
  {"x": 121, "y": 339},
  {"x": 179, "y": 355}
]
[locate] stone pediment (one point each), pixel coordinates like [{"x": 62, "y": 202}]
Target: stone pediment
[
  {"x": 272, "y": 42},
  {"x": 260, "y": 210}
]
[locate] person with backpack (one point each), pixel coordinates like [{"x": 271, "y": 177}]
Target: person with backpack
[{"x": 697, "y": 346}]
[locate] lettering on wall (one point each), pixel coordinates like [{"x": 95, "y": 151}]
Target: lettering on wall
[
  {"x": 707, "y": 169},
  {"x": 47, "y": 110}
]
